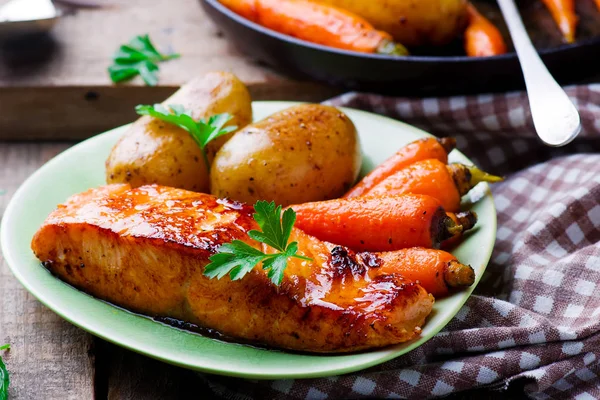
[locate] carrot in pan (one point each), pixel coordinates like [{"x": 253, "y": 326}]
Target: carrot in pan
[
  {"x": 447, "y": 183},
  {"x": 436, "y": 270},
  {"x": 563, "y": 13},
  {"x": 378, "y": 223},
  {"x": 482, "y": 38},
  {"x": 418, "y": 150},
  {"x": 598, "y": 4},
  {"x": 317, "y": 23}
]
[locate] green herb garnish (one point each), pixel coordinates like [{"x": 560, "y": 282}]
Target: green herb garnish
[
  {"x": 238, "y": 258},
  {"x": 4, "y": 379},
  {"x": 203, "y": 131},
  {"x": 138, "y": 57}
]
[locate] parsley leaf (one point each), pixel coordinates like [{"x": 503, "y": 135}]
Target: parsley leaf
[
  {"x": 138, "y": 57},
  {"x": 203, "y": 131},
  {"x": 238, "y": 258},
  {"x": 4, "y": 379}
]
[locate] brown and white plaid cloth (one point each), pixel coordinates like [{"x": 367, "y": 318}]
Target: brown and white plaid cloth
[{"x": 535, "y": 315}]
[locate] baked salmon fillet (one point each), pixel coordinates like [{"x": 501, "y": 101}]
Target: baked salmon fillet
[{"x": 145, "y": 249}]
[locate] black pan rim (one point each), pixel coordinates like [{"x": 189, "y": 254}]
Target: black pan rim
[{"x": 382, "y": 57}]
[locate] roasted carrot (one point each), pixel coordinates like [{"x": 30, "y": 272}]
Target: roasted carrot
[
  {"x": 563, "y": 13},
  {"x": 429, "y": 177},
  {"x": 598, "y": 4},
  {"x": 436, "y": 270},
  {"x": 466, "y": 219},
  {"x": 378, "y": 223},
  {"x": 418, "y": 150},
  {"x": 317, "y": 23},
  {"x": 447, "y": 183},
  {"x": 482, "y": 38}
]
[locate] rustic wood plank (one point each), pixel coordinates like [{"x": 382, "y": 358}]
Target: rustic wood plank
[
  {"x": 83, "y": 111},
  {"x": 57, "y": 86},
  {"x": 49, "y": 358},
  {"x": 84, "y": 41},
  {"x": 133, "y": 376}
]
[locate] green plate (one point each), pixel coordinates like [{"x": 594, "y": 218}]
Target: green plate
[{"x": 82, "y": 167}]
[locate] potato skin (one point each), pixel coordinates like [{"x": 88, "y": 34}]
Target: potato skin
[
  {"x": 305, "y": 153},
  {"x": 412, "y": 22},
  {"x": 153, "y": 151}
]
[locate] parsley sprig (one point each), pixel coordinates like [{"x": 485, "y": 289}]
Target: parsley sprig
[
  {"x": 138, "y": 57},
  {"x": 4, "y": 379},
  {"x": 203, "y": 131},
  {"x": 238, "y": 258}
]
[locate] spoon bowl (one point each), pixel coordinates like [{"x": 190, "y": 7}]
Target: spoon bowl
[{"x": 554, "y": 115}]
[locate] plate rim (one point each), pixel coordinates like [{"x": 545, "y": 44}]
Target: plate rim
[{"x": 12, "y": 262}]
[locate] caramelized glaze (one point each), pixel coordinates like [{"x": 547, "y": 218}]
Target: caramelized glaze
[{"x": 145, "y": 249}]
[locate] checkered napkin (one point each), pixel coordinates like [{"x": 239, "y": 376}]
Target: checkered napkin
[{"x": 535, "y": 316}]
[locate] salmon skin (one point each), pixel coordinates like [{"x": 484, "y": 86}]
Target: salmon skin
[{"x": 145, "y": 249}]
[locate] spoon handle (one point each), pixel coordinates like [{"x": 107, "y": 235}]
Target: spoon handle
[{"x": 555, "y": 118}]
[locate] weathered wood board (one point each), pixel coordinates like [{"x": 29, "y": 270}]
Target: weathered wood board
[{"x": 57, "y": 87}]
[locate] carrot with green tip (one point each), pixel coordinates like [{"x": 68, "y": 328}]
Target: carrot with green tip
[
  {"x": 378, "y": 223},
  {"x": 467, "y": 176},
  {"x": 447, "y": 183},
  {"x": 422, "y": 149}
]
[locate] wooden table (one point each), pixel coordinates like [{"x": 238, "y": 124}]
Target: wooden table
[
  {"x": 66, "y": 95},
  {"x": 59, "y": 83}
]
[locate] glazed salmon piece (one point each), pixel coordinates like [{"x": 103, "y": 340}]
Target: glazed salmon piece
[{"x": 145, "y": 249}]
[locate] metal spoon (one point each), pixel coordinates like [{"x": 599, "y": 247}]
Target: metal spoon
[
  {"x": 19, "y": 17},
  {"x": 555, "y": 118}
]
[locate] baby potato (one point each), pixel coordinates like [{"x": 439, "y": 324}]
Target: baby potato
[
  {"x": 305, "y": 153},
  {"x": 153, "y": 151},
  {"x": 412, "y": 22}
]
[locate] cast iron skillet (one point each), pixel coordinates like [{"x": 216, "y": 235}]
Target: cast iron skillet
[{"x": 419, "y": 74}]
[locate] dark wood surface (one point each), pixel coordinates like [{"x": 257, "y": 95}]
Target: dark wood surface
[{"x": 49, "y": 358}]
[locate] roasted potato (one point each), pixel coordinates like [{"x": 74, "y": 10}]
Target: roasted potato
[
  {"x": 412, "y": 22},
  {"x": 153, "y": 151},
  {"x": 304, "y": 153}
]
